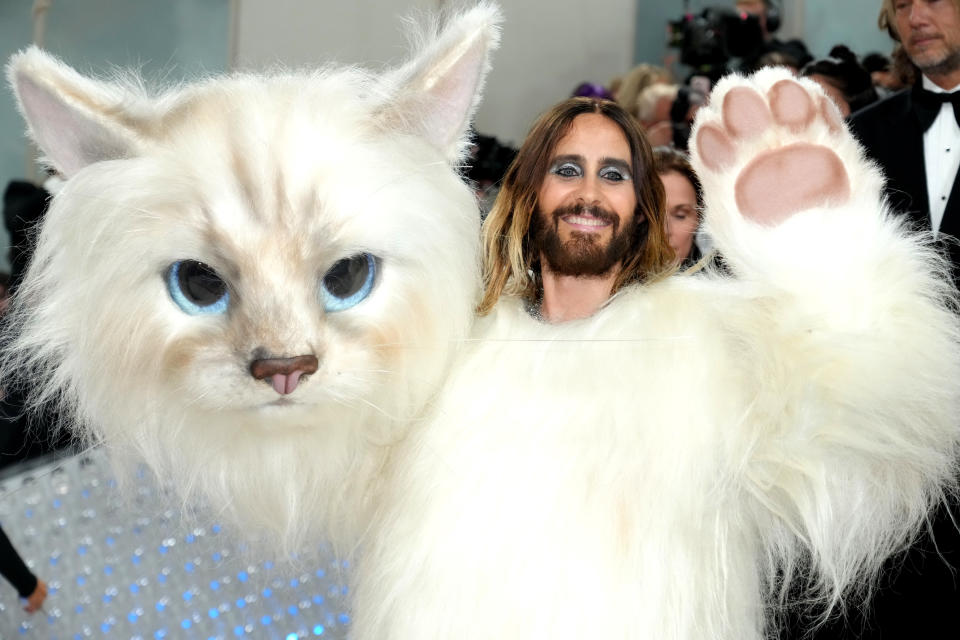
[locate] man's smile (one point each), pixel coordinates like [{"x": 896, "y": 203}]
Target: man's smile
[{"x": 585, "y": 222}]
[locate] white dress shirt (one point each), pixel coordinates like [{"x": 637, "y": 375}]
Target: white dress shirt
[{"x": 941, "y": 156}]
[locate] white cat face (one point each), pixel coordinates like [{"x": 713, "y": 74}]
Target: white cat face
[
  {"x": 256, "y": 282},
  {"x": 277, "y": 201},
  {"x": 258, "y": 189}
]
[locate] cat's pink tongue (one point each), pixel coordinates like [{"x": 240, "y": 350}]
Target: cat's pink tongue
[{"x": 285, "y": 383}]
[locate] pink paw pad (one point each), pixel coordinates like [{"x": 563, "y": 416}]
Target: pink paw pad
[
  {"x": 791, "y": 175},
  {"x": 791, "y": 105},
  {"x": 780, "y": 182},
  {"x": 745, "y": 113}
]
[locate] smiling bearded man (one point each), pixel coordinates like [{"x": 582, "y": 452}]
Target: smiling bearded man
[
  {"x": 584, "y": 253},
  {"x": 579, "y": 216}
]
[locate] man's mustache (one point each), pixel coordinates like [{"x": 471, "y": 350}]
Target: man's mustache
[
  {"x": 916, "y": 36},
  {"x": 586, "y": 210}
]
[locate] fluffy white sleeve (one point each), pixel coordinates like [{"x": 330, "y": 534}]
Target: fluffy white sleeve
[{"x": 847, "y": 349}]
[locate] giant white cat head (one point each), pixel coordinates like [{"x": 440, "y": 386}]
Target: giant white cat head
[{"x": 255, "y": 282}]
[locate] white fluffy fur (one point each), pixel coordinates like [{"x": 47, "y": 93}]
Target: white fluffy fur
[
  {"x": 664, "y": 466},
  {"x": 650, "y": 472},
  {"x": 270, "y": 180}
]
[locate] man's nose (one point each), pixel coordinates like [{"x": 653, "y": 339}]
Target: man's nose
[
  {"x": 919, "y": 14},
  {"x": 590, "y": 189}
]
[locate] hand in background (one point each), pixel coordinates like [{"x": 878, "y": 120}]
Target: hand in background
[{"x": 35, "y": 599}]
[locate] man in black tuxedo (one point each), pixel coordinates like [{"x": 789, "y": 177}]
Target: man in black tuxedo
[{"x": 915, "y": 137}]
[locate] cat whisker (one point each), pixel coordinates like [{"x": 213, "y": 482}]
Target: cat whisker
[{"x": 380, "y": 410}]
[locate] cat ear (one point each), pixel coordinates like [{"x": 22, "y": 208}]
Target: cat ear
[
  {"x": 74, "y": 120},
  {"x": 436, "y": 94}
]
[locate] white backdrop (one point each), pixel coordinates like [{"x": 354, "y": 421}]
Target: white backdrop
[{"x": 548, "y": 46}]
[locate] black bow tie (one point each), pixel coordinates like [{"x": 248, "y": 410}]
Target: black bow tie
[{"x": 926, "y": 104}]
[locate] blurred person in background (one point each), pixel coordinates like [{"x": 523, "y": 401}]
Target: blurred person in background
[
  {"x": 485, "y": 166},
  {"x": 778, "y": 59},
  {"x": 591, "y": 90},
  {"x": 684, "y": 201},
  {"x": 843, "y": 79},
  {"x": 4, "y": 292},
  {"x": 881, "y": 71},
  {"x": 685, "y": 106},
  {"x": 635, "y": 81},
  {"x": 653, "y": 111},
  {"x": 794, "y": 51},
  {"x": 30, "y": 588},
  {"x": 24, "y": 205},
  {"x": 914, "y": 135}
]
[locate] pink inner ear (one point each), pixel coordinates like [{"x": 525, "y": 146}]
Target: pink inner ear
[
  {"x": 434, "y": 96},
  {"x": 781, "y": 182},
  {"x": 69, "y": 135},
  {"x": 449, "y": 97}
]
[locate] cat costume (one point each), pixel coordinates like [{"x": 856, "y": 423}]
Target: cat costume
[{"x": 264, "y": 285}]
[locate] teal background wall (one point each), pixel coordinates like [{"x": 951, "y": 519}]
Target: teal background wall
[
  {"x": 820, "y": 23},
  {"x": 651, "y": 37},
  {"x": 853, "y": 22},
  {"x": 167, "y": 39}
]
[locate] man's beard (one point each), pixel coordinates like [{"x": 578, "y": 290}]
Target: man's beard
[
  {"x": 937, "y": 65},
  {"x": 583, "y": 254}
]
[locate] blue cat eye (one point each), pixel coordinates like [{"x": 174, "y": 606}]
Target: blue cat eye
[
  {"x": 348, "y": 282},
  {"x": 196, "y": 288}
]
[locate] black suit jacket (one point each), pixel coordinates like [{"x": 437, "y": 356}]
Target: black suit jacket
[
  {"x": 917, "y": 595},
  {"x": 891, "y": 134}
]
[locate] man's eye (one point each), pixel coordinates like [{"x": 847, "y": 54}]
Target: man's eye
[
  {"x": 567, "y": 170},
  {"x": 613, "y": 175}
]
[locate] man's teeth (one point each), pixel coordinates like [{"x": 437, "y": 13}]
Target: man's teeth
[{"x": 588, "y": 222}]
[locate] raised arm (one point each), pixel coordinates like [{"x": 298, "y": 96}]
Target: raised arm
[{"x": 851, "y": 359}]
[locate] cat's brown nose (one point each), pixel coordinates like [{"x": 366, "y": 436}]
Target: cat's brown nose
[{"x": 284, "y": 373}]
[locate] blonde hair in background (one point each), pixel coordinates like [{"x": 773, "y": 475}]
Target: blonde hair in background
[
  {"x": 636, "y": 80},
  {"x": 650, "y": 96},
  {"x": 509, "y": 263}
]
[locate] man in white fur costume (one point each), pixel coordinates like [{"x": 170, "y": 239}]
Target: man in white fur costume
[
  {"x": 265, "y": 287},
  {"x": 579, "y": 215}
]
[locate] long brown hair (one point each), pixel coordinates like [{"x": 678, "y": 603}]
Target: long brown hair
[{"x": 509, "y": 264}]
